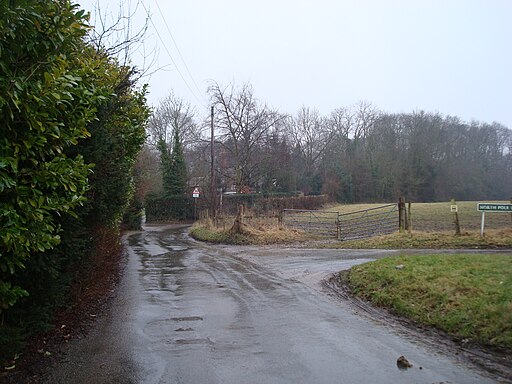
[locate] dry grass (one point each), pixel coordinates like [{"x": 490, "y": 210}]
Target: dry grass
[
  {"x": 432, "y": 224},
  {"x": 257, "y": 231}
]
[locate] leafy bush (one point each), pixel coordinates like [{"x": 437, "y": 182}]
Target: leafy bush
[
  {"x": 132, "y": 218},
  {"x": 169, "y": 208},
  {"x": 72, "y": 125},
  {"x": 45, "y": 108}
]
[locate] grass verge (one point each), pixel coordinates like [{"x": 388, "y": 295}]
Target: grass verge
[
  {"x": 468, "y": 296},
  {"x": 267, "y": 231},
  {"x": 254, "y": 234},
  {"x": 493, "y": 239}
]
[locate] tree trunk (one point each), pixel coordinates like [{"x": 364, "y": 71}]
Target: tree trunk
[{"x": 238, "y": 225}]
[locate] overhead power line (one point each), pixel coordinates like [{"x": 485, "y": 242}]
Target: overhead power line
[
  {"x": 169, "y": 53},
  {"x": 177, "y": 48}
]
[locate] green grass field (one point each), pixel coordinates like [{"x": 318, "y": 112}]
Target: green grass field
[
  {"x": 432, "y": 228},
  {"x": 436, "y": 217},
  {"x": 466, "y": 295}
]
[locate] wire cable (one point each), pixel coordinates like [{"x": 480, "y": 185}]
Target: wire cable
[
  {"x": 169, "y": 53},
  {"x": 177, "y": 48}
]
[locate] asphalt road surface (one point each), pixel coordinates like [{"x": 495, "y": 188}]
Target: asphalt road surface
[{"x": 187, "y": 312}]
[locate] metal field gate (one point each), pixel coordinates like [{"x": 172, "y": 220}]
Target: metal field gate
[
  {"x": 376, "y": 221},
  {"x": 323, "y": 223}
]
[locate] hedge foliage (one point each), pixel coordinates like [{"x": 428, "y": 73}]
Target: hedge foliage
[
  {"x": 44, "y": 108},
  {"x": 271, "y": 204},
  {"x": 181, "y": 208},
  {"x": 169, "y": 208},
  {"x": 72, "y": 123}
]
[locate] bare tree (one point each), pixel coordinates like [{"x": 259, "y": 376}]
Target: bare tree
[
  {"x": 243, "y": 125},
  {"x": 365, "y": 115},
  {"x": 173, "y": 116},
  {"x": 172, "y": 128},
  {"x": 304, "y": 130},
  {"x": 147, "y": 173},
  {"x": 116, "y": 33},
  {"x": 341, "y": 121},
  {"x": 311, "y": 135}
]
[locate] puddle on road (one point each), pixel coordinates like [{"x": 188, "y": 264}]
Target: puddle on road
[
  {"x": 187, "y": 318},
  {"x": 178, "y": 248}
]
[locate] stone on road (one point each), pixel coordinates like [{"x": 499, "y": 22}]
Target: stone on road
[{"x": 187, "y": 312}]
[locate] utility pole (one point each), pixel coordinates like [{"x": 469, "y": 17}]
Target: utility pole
[{"x": 212, "y": 170}]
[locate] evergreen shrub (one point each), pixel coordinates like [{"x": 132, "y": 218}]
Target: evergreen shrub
[{"x": 169, "y": 208}]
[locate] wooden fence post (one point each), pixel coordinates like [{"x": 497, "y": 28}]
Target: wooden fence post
[
  {"x": 409, "y": 225},
  {"x": 406, "y": 219}
]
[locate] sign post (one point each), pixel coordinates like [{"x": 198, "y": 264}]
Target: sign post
[
  {"x": 482, "y": 225},
  {"x": 454, "y": 210},
  {"x": 491, "y": 207},
  {"x": 195, "y": 195}
]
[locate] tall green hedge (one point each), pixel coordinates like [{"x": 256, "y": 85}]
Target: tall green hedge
[
  {"x": 45, "y": 108},
  {"x": 169, "y": 208},
  {"x": 181, "y": 208},
  {"x": 71, "y": 124}
]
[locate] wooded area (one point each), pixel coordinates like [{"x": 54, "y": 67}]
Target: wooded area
[{"x": 355, "y": 154}]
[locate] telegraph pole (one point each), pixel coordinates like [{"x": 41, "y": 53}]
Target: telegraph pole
[{"x": 212, "y": 170}]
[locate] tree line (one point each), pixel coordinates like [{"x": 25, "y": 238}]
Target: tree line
[{"x": 355, "y": 154}]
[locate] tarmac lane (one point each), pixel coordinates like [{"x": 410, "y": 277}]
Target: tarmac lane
[{"x": 188, "y": 312}]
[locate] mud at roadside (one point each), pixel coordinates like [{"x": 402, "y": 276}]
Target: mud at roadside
[
  {"x": 496, "y": 362},
  {"x": 87, "y": 306}
]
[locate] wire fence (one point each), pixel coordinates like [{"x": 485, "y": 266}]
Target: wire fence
[
  {"x": 322, "y": 223},
  {"x": 377, "y": 221},
  {"x": 348, "y": 226}
]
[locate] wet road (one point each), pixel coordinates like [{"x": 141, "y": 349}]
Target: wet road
[{"x": 193, "y": 313}]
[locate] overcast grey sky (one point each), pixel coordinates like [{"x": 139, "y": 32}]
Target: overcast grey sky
[{"x": 447, "y": 56}]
